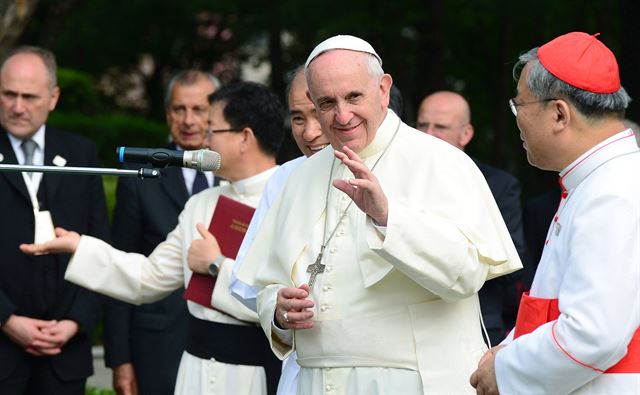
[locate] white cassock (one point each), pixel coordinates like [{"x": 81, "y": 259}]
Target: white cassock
[
  {"x": 397, "y": 312},
  {"x": 247, "y": 294},
  {"x": 590, "y": 266},
  {"x": 137, "y": 279}
]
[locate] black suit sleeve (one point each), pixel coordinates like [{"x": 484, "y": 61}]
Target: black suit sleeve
[
  {"x": 87, "y": 305},
  {"x": 126, "y": 234},
  {"x": 511, "y": 210},
  {"x": 6, "y": 307}
]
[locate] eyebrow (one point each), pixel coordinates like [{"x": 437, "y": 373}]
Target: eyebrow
[{"x": 293, "y": 112}]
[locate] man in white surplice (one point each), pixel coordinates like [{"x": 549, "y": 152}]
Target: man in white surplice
[
  {"x": 408, "y": 230},
  {"x": 245, "y": 127}
]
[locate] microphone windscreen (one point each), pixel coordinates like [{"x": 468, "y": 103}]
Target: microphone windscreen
[{"x": 209, "y": 160}]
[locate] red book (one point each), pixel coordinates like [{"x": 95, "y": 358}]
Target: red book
[{"x": 229, "y": 224}]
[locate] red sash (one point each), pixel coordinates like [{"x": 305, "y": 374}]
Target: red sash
[{"x": 534, "y": 312}]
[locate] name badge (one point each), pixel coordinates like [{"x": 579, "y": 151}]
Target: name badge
[{"x": 44, "y": 227}]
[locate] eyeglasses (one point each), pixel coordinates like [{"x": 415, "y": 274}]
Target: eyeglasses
[
  {"x": 514, "y": 106},
  {"x": 211, "y": 132}
]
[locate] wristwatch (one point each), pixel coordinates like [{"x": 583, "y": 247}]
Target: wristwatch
[{"x": 214, "y": 267}]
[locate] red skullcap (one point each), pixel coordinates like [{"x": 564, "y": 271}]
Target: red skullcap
[{"x": 581, "y": 60}]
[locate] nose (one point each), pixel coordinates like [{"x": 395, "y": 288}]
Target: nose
[
  {"x": 189, "y": 117},
  {"x": 18, "y": 105},
  {"x": 311, "y": 130},
  {"x": 343, "y": 114}
]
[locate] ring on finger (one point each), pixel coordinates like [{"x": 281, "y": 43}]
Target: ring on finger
[{"x": 285, "y": 316}]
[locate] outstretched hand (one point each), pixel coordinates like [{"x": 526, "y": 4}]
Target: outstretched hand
[
  {"x": 364, "y": 189},
  {"x": 65, "y": 242}
]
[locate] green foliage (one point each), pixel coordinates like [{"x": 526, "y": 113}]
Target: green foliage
[
  {"x": 109, "y": 183},
  {"x": 111, "y": 131},
  {"x": 78, "y": 92},
  {"x": 98, "y": 391}
]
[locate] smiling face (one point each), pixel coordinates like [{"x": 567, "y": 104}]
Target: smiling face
[
  {"x": 26, "y": 95},
  {"x": 351, "y": 102},
  {"x": 187, "y": 113},
  {"x": 305, "y": 127}
]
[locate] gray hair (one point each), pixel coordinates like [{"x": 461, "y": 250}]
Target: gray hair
[
  {"x": 291, "y": 75},
  {"x": 47, "y": 57},
  {"x": 374, "y": 66},
  {"x": 545, "y": 85},
  {"x": 188, "y": 77}
]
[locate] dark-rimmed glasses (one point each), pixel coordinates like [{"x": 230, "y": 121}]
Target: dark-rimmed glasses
[
  {"x": 513, "y": 105},
  {"x": 210, "y": 132}
]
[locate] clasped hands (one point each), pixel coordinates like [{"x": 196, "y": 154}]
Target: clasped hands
[{"x": 39, "y": 337}]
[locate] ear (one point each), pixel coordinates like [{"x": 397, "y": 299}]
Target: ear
[
  {"x": 55, "y": 95},
  {"x": 248, "y": 138},
  {"x": 561, "y": 115},
  {"x": 385, "y": 89},
  {"x": 466, "y": 136}
]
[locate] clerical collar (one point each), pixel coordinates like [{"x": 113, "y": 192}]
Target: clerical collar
[
  {"x": 253, "y": 185},
  {"x": 383, "y": 136},
  {"x": 619, "y": 144}
]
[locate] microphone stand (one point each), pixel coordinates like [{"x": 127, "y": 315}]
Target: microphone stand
[{"x": 140, "y": 173}]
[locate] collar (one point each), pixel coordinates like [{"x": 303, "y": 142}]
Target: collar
[
  {"x": 38, "y": 137},
  {"x": 253, "y": 185},
  {"x": 619, "y": 144},
  {"x": 383, "y": 135}
]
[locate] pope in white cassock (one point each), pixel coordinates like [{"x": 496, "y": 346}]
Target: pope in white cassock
[
  {"x": 226, "y": 351},
  {"x": 376, "y": 247},
  {"x": 577, "y": 330},
  {"x": 307, "y": 133}
]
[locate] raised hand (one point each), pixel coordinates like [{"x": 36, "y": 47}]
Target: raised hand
[
  {"x": 65, "y": 242},
  {"x": 364, "y": 189}
]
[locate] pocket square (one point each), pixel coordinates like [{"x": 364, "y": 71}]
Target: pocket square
[{"x": 59, "y": 161}]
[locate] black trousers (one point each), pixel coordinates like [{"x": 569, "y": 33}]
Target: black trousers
[{"x": 35, "y": 376}]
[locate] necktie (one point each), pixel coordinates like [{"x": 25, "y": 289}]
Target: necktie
[
  {"x": 199, "y": 183},
  {"x": 28, "y": 147}
]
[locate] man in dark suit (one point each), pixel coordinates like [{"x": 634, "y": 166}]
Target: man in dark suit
[
  {"x": 45, "y": 322},
  {"x": 143, "y": 344},
  {"x": 446, "y": 115}
]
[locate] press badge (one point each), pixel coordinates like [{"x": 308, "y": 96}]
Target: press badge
[{"x": 44, "y": 227}]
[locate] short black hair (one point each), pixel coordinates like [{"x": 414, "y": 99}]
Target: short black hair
[{"x": 249, "y": 104}]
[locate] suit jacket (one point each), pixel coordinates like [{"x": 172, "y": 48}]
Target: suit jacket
[
  {"x": 505, "y": 189},
  {"x": 151, "y": 336},
  {"x": 34, "y": 286}
]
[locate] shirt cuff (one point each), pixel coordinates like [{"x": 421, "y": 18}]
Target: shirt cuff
[
  {"x": 284, "y": 335},
  {"x": 382, "y": 229}
]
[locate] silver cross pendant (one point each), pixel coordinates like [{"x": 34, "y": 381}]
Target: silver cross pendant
[{"x": 316, "y": 268}]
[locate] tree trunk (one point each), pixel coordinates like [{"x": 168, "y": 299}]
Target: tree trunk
[{"x": 14, "y": 15}]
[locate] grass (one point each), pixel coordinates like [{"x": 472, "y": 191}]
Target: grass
[{"x": 98, "y": 391}]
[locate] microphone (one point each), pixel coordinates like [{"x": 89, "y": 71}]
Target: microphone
[{"x": 202, "y": 160}]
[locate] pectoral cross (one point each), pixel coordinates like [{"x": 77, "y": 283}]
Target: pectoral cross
[{"x": 316, "y": 268}]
